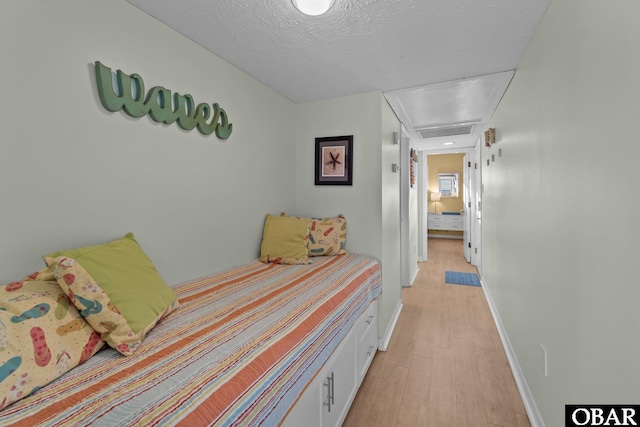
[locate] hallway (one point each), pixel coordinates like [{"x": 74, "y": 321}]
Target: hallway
[{"x": 445, "y": 365}]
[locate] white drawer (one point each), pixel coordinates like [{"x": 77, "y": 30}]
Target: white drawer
[
  {"x": 366, "y": 351},
  {"x": 453, "y": 219},
  {"x": 445, "y": 222},
  {"x": 367, "y": 320},
  {"x": 367, "y": 339},
  {"x": 435, "y": 219}
]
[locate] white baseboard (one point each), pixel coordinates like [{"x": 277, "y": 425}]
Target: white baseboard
[
  {"x": 413, "y": 277},
  {"x": 415, "y": 274},
  {"x": 445, "y": 236},
  {"x": 521, "y": 382},
  {"x": 383, "y": 342}
]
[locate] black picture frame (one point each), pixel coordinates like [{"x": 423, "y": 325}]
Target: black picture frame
[{"x": 334, "y": 160}]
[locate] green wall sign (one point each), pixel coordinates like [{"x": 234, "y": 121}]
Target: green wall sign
[{"x": 157, "y": 103}]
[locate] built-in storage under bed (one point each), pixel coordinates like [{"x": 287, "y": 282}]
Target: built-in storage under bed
[{"x": 241, "y": 348}]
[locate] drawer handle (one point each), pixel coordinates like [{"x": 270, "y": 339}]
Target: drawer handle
[
  {"x": 330, "y": 392},
  {"x": 369, "y": 320},
  {"x": 370, "y": 352}
]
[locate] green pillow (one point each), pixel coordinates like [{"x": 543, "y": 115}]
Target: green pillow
[
  {"x": 117, "y": 289},
  {"x": 285, "y": 240}
]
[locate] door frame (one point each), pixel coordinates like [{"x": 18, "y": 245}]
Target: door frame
[
  {"x": 405, "y": 226},
  {"x": 476, "y": 208},
  {"x": 475, "y": 190},
  {"x": 467, "y": 161},
  {"x": 423, "y": 203}
]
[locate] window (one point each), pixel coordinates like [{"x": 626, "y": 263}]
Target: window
[{"x": 448, "y": 184}]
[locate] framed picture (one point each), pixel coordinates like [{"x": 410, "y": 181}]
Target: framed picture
[{"x": 334, "y": 160}]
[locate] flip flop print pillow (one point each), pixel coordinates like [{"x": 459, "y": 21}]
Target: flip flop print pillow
[{"x": 42, "y": 336}]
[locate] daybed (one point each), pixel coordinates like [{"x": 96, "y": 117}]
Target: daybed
[{"x": 252, "y": 345}]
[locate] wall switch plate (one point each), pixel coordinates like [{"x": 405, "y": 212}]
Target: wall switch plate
[{"x": 544, "y": 360}]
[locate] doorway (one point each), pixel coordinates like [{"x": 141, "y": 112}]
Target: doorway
[
  {"x": 445, "y": 195},
  {"x": 453, "y": 217}
]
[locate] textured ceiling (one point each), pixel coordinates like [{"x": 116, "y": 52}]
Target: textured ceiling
[
  {"x": 358, "y": 45},
  {"x": 450, "y": 106}
]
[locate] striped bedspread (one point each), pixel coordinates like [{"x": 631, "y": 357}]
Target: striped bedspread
[{"x": 239, "y": 351}]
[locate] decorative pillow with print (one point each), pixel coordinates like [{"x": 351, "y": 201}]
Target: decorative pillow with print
[
  {"x": 327, "y": 236},
  {"x": 42, "y": 336}
]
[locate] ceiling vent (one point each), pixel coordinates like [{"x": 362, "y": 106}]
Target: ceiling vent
[{"x": 445, "y": 131}]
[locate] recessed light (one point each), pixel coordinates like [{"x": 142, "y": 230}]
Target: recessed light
[
  {"x": 449, "y": 143},
  {"x": 313, "y": 7}
]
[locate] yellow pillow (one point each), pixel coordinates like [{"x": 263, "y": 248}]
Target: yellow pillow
[
  {"x": 285, "y": 240},
  {"x": 117, "y": 289},
  {"x": 42, "y": 336}
]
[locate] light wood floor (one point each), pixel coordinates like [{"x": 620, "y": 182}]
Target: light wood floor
[{"x": 445, "y": 365}]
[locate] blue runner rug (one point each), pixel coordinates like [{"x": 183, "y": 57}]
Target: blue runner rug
[{"x": 457, "y": 278}]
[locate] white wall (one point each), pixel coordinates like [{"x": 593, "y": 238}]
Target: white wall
[
  {"x": 560, "y": 238},
  {"x": 423, "y": 203},
  {"x": 391, "y": 264},
  {"x": 357, "y": 115},
  {"x": 367, "y": 204},
  {"x": 73, "y": 174}
]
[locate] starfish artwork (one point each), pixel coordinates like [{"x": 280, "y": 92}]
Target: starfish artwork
[{"x": 333, "y": 161}]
